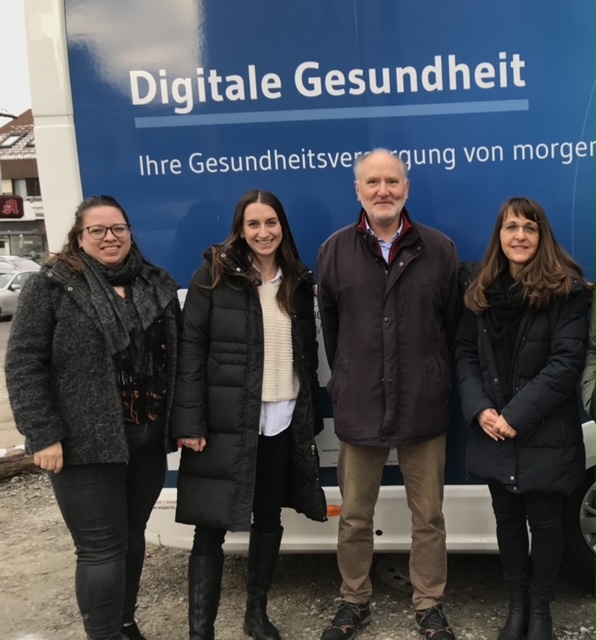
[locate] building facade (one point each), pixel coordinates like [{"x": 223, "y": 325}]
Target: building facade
[{"x": 22, "y": 227}]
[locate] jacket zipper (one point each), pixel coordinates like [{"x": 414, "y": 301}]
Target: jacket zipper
[
  {"x": 490, "y": 356},
  {"x": 518, "y": 341}
]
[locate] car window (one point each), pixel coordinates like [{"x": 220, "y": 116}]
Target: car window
[
  {"x": 21, "y": 278},
  {"x": 5, "y": 279}
]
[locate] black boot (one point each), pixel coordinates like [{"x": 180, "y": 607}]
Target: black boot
[
  {"x": 540, "y": 626},
  {"x": 263, "y": 552},
  {"x": 132, "y": 632},
  {"x": 516, "y": 626},
  {"x": 204, "y": 587}
]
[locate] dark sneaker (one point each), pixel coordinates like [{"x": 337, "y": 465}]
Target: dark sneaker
[
  {"x": 433, "y": 624},
  {"x": 348, "y": 619},
  {"x": 131, "y": 632}
]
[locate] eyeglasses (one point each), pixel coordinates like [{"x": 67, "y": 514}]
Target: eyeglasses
[
  {"x": 528, "y": 229},
  {"x": 98, "y": 231}
]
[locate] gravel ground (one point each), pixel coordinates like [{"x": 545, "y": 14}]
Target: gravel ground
[{"x": 37, "y": 600}]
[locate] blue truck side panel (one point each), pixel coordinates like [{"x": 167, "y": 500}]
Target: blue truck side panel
[{"x": 180, "y": 107}]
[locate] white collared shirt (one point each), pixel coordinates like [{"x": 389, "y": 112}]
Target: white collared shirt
[{"x": 385, "y": 245}]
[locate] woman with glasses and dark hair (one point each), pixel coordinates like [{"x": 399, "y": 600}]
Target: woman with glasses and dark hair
[
  {"x": 90, "y": 370},
  {"x": 247, "y": 407},
  {"x": 519, "y": 353}
]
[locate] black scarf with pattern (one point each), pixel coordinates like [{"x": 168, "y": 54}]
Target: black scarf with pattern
[{"x": 127, "y": 327}]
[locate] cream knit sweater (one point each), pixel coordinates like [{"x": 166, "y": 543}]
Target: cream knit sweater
[{"x": 280, "y": 381}]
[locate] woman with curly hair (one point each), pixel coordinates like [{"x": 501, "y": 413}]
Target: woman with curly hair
[{"x": 90, "y": 371}]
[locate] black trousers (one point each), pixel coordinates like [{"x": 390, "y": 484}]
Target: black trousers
[
  {"x": 106, "y": 508},
  {"x": 273, "y": 464},
  {"x": 543, "y": 512}
]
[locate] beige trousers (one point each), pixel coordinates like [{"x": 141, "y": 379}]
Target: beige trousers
[{"x": 360, "y": 470}]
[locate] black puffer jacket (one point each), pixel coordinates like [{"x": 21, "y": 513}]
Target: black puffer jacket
[
  {"x": 219, "y": 397},
  {"x": 548, "y": 455}
]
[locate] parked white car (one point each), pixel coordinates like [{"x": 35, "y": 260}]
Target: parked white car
[
  {"x": 11, "y": 283},
  {"x": 18, "y": 262}
]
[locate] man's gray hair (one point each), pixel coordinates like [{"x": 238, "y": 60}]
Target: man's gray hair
[{"x": 363, "y": 156}]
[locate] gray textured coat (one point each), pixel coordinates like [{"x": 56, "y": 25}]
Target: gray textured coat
[{"x": 61, "y": 380}]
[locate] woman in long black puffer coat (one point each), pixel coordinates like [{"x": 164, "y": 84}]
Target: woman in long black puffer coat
[
  {"x": 519, "y": 355},
  {"x": 247, "y": 407}
]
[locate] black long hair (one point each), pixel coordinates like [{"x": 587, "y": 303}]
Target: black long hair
[{"x": 286, "y": 256}]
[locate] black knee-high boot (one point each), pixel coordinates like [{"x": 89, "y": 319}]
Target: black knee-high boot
[
  {"x": 204, "y": 588},
  {"x": 263, "y": 552},
  {"x": 541, "y": 624}
]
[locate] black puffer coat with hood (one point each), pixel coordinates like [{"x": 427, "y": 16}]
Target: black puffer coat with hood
[{"x": 218, "y": 397}]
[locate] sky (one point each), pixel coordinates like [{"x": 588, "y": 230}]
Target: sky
[{"x": 15, "y": 96}]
